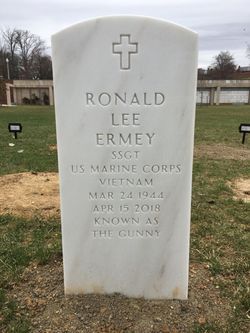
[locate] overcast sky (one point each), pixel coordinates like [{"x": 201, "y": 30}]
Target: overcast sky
[{"x": 221, "y": 24}]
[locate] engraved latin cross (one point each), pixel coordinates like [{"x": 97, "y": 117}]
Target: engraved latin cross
[{"x": 125, "y": 48}]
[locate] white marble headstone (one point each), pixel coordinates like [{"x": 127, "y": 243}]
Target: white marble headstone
[{"x": 125, "y": 100}]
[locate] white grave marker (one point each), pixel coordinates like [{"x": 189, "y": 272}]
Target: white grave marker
[{"x": 125, "y": 92}]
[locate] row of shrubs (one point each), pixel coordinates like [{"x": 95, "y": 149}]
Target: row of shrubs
[{"x": 34, "y": 100}]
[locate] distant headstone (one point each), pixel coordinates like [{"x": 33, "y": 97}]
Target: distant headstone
[{"x": 125, "y": 92}]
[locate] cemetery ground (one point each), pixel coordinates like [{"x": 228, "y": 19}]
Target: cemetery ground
[{"x": 31, "y": 279}]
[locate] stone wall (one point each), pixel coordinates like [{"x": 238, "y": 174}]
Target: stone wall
[
  {"x": 3, "y": 97},
  {"x": 30, "y": 92},
  {"x": 223, "y": 92},
  {"x": 213, "y": 92}
]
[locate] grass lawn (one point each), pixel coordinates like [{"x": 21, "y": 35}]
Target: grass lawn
[
  {"x": 220, "y": 225},
  {"x": 38, "y": 135}
]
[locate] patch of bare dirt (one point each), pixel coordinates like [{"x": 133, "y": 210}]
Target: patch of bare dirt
[
  {"x": 241, "y": 188},
  {"x": 29, "y": 194},
  {"x": 52, "y": 147},
  {"x": 221, "y": 152},
  {"x": 40, "y": 297}
]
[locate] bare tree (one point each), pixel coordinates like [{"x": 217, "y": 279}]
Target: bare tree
[
  {"x": 223, "y": 66},
  {"x": 45, "y": 67},
  {"x": 10, "y": 48},
  {"x": 30, "y": 49},
  {"x": 3, "y": 66},
  {"x": 25, "y": 51},
  {"x": 10, "y": 38}
]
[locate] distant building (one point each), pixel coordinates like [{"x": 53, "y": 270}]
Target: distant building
[
  {"x": 38, "y": 92},
  {"x": 241, "y": 73},
  {"x": 244, "y": 69},
  {"x": 216, "y": 92},
  {"x": 41, "y": 92}
]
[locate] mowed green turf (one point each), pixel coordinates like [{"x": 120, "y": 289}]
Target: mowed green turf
[
  {"x": 38, "y": 135},
  {"x": 213, "y": 125},
  {"x": 220, "y": 124},
  {"x": 220, "y": 225}
]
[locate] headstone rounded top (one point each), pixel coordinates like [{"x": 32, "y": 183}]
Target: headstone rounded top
[{"x": 126, "y": 18}]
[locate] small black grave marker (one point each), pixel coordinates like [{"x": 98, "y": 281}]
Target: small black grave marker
[
  {"x": 15, "y": 128},
  {"x": 244, "y": 128}
]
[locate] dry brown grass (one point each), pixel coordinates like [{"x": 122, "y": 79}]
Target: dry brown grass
[
  {"x": 241, "y": 188},
  {"x": 29, "y": 194},
  {"x": 222, "y": 152}
]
